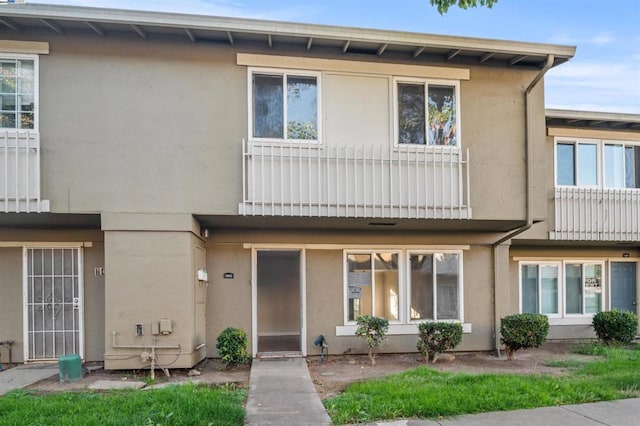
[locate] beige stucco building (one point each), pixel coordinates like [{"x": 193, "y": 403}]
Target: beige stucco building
[{"x": 164, "y": 176}]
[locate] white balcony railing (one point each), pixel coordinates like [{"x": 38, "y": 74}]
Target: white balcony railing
[
  {"x": 594, "y": 214},
  {"x": 350, "y": 181},
  {"x": 20, "y": 172}
]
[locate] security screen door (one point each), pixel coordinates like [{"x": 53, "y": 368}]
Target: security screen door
[
  {"x": 53, "y": 303},
  {"x": 278, "y": 301}
]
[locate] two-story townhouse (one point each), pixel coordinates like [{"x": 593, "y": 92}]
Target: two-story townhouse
[
  {"x": 583, "y": 258},
  {"x": 165, "y": 176}
]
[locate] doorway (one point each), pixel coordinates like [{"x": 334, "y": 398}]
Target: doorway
[
  {"x": 623, "y": 286},
  {"x": 278, "y": 301}
]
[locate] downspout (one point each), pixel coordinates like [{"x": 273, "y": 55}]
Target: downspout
[{"x": 529, "y": 195}]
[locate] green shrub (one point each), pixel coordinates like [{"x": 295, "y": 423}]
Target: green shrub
[
  {"x": 615, "y": 326},
  {"x": 437, "y": 337},
  {"x": 523, "y": 331},
  {"x": 232, "y": 346},
  {"x": 374, "y": 331}
]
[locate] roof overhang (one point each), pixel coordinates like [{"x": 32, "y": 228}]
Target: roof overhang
[
  {"x": 592, "y": 120},
  {"x": 54, "y": 19}
]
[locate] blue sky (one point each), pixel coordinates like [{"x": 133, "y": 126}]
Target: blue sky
[{"x": 603, "y": 76}]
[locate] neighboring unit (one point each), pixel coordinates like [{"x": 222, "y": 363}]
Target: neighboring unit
[{"x": 165, "y": 176}]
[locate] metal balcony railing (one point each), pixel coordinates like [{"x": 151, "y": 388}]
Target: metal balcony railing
[{"x": 288, "y": 179}]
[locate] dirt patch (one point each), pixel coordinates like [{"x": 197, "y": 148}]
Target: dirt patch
[
  {"x": 333, "y": 375},
  {"x": 212, "y": 372}
]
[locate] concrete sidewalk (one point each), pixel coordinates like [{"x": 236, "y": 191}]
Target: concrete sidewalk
[
  {"x": 281, "y": 393},
  {"x": 619, "y": 413},
  {"x": 24, "y": 375}
]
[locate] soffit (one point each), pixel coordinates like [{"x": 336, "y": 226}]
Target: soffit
[
  {"x": 240, "y": 32},
  {"x": 592, "y": 120}
]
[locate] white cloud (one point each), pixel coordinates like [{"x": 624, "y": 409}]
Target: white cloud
[{"x": 602, "y": 39}]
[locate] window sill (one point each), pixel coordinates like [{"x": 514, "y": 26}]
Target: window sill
[
  {"x": 582, "y": 320},
  {"x": 394, "y": 329}
]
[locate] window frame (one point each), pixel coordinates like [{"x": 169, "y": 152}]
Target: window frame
[
  {"x": 404, "y": 284},
  {"x": 408, "y": 282},
  {"x": 576, "y": 161},
  {"x": 562, "y": 314},
  {"x": 285, "y": 73},
  {"x": 396, "y": 111},
  {"x": 36, "y": 89},
  {"x": 624, "y": 145}
]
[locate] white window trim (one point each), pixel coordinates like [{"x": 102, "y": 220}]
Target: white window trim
[
  {"x": 36, "y": 88},
  {"x": 425, "y": 83},
  {"x": 405, "y": 325},
  {"x": 408, "y": 284},
  {"x": 601, "y": 165},
  {"x": 562, "y": 318},
  {"x": 624, "y": 145},
  {"x": 284, "y": 72}
]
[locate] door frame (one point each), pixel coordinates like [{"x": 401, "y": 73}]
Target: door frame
[
  {"x": 254, "y": 294},
  {"x": 623, "y": 260},
  {"x": 25, "y": 295}
]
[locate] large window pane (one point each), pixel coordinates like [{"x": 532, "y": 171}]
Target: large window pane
[
  {"x": 421, "y": 286},
  {"x": 359, "y": 285},
  {"x": 530, "y": 289},
  {"x": 549, "y": 289},
  {"x": 447, "y": 285},
  {"x": 17, "y": 94},
  {"x": 302, "y": 108},
  {"x": 573, "y": 281},
  {"x": 592, "y": 288},
  {"x": 268, "y": 112},
  {"x": 588, "y": 165},
  {"x": 614, "y": 176},
  {"x": 387, "y": 303},
  {"x": 565, "y": 164},
  {"x": 411, "y": 114},
  {"x": 442, "y": 115},
  {"x": 632, "y": 166}
]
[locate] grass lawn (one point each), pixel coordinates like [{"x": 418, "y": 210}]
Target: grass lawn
[
  {"x": 424, "y": 392},
  {"x": 174, "y": 405}
]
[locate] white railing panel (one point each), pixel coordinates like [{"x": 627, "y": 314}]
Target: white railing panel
[
  {"x": 354, "y": 181},
  {"x": 595, "y": 214},
  {"x": 19, "y": 171}
]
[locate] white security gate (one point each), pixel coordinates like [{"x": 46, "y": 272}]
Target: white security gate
[{"x": 53, "y": 303}]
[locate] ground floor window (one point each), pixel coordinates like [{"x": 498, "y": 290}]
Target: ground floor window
[
  {"x": 563, "y": 288},
  {"x": 403, "y": 286}
]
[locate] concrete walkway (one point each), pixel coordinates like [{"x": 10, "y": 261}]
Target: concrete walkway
[
  {"x": 622, "y": 412},
  {"x": 24, "y": 375},
  {"x": 281, "y": 393}
]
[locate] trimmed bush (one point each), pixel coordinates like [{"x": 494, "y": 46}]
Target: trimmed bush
[
  {"x": 232, "y": 346},
  {"x": 437, "y": 337},
  {"x": 523, "y": 331},
  {"x": 615, "y": 326},
  {"x": 373, "y": 330}
]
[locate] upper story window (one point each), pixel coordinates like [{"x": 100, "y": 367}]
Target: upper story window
[
  {"x": 427, "y": 112},
  {"x": 597, "y": 163},
  {"x": 284, "y": 105},
  {"x": 18, "y": 92}
]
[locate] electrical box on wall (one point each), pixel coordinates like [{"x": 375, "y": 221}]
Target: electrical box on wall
[
  {"x": 155, "y": 328},
  {"x": 165, "y": 326}
]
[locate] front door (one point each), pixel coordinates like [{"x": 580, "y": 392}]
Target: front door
[
  {"x": 623, "y": 286},
  {"x": 279, "y": 317},
  {"x": 53, "y": 312}
]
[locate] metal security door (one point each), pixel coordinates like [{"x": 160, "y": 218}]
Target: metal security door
[
  {"x": 53, "y": 303},
  {"x": 623, "y": 286}
]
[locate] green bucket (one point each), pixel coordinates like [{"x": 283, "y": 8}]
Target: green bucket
[{"x": 70, "y": 368}]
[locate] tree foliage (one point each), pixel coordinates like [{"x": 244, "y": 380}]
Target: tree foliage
[
  {"x": 373, "y": 330},
  {"x": 444, "y": 5}
]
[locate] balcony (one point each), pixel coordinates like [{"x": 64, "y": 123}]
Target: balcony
[
  {"x": 348, "y": 181},
  {"x": 595, "y": 214},
  {"x": 20, "y": 172}
]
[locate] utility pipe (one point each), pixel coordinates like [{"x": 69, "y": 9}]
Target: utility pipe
[
  {"x": 152, "y": 346},
  {"x": 528, "y": 145}
]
